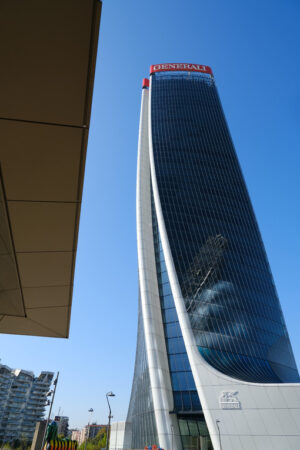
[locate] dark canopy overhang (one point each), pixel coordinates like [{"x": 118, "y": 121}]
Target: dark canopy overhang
[{"x": 48, "y": 56}]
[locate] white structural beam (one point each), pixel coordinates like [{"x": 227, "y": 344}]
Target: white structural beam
[{"x": 160, "y": 384}]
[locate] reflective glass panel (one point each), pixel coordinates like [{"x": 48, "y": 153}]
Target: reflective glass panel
[
  {"x": 184, "y": 389},
  {"x": 217, "y": 249}
]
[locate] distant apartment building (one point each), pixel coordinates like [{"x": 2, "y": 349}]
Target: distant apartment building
[
  {"x": 90, "y": 432},
  {"x": 62, "y": 425},
  {"x": 76, "y": 435},
  {"x": 23, "y": 398}
]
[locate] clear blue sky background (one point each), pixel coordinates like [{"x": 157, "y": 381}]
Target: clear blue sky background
[{"x": 253, "y": 49}]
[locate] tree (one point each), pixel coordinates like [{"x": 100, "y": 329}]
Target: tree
[
  {"x": 97, "y": 442},
  {"x": 16, "y": 444}
]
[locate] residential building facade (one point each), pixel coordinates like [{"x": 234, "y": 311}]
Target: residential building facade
[
  {"x": 22, "y": 402},
  {"x": 76, "y": 435},
  {"x": 214, "y": 364}
]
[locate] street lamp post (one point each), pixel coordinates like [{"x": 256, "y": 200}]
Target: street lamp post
[
  {"x": 109, "y": 394},
  {"x": 50, "y": 409},
  {"x": 217, "y": 422},
  {"x": 88, "y": 427}
]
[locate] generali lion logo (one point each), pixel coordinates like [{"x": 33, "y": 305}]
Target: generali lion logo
[{"x": 229, "y": 400}]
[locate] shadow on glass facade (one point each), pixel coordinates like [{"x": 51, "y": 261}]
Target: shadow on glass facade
[{"x": 215, "y": 242}]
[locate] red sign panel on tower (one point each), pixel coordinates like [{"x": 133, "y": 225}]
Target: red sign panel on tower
[{"x": 180, "y": 67}]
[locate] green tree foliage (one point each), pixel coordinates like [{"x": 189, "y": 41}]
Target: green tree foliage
[
  {"x": 17, "y": 444},
  {"x": 97, "y": 442}
]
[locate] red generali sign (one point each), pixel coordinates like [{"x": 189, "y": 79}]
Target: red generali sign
[{"x": 179, "y": 67}]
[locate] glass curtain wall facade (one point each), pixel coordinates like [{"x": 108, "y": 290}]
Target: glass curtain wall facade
[
  {"x": 225, "y": 282},
  {"x": 216, "y": 246}
]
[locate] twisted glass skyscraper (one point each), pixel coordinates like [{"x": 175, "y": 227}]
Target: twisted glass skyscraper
[{"x": 213, "y": 352}]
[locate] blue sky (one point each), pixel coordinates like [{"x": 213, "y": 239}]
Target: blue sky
[{"x": 253, "y": 49}]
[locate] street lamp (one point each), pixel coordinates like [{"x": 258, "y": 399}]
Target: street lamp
[
  {"x": 217, "y": 422},
  {"x": 172, "y": 431},
  {"x": 88, "y": 427},
  {"x": 109, "y": 394},
  {"x": 49, "y": 394}
]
